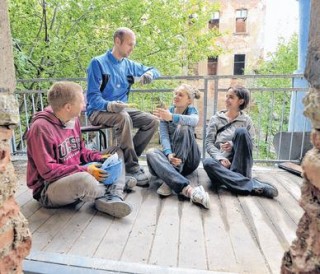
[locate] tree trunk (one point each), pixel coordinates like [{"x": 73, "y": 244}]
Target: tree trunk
[{"x": 304, "y": 253}]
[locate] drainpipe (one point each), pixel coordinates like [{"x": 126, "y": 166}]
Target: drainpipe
[{"x": 297, "y": 121}]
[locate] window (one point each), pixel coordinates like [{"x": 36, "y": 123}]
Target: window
[
  {"x": 239, "y": 64},
  {"x": 214, "y": 21},
  {"x": 212, "y": 65},
  {"x": 241, "y": 17}
]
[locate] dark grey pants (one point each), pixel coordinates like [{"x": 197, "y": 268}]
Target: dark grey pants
[
  {"x": 238, "y": 177},
  {"x": 185, "y": 147}
]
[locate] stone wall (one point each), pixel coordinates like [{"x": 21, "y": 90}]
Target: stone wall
[{"x": 15, "y": 238}]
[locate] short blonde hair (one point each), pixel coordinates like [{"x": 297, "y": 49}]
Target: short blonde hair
[
  {"x": 62, "y": 93},
  {"x": 192, "y": 92}
]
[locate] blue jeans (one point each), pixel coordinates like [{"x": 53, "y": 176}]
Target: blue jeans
[
  {"x": 238, "y": 177},
  {"x": 185, "y": 147}
]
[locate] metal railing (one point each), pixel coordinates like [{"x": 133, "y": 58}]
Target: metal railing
[{"x": 269, "y": 109}]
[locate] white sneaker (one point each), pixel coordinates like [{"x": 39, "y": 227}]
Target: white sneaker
[
  {"x": 200, "y": 196},
  {"x": 130, "y": 183},
  {"x": 164, "y": 190}
]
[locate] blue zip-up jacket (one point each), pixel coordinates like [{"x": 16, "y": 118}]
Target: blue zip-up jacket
[
  {"x": 190, "y": 117},
  {"x": 117, "y": 87}
]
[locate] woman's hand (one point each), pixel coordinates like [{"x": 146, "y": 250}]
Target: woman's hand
[
  {"x": 227, "y": 147},
  {"x": 163, "y": 114},
  {"x": 173, "y": 160},
  {"x": 225, "y": 162}
]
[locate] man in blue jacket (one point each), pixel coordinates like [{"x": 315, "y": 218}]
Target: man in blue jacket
[{"x": 110, "y": 77}]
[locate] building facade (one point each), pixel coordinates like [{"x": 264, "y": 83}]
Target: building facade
[{"x": 249, "y": 30}]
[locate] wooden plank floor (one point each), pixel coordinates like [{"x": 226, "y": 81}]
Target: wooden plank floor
[{"x": 241, "y": 234}]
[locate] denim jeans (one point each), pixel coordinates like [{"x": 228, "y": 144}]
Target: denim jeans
[
  {"x": 123, "y": 122},
  {"x": 238, "y": 177},
  {"x": 185, "y": 147}
]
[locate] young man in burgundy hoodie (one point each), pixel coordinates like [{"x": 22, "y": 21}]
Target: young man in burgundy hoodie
[{"x": 56, "y": 170}]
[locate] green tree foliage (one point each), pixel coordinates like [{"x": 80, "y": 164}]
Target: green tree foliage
[
  {"x": 271, "y": 107},
  {"x": 57, "y": 38},
  {"x": 284, "y": 60}
]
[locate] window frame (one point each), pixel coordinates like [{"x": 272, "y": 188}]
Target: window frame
[
  {"x": 212, "y": 65},
  {"x": 239, "y": 64},
  {"x": 241, "y": 17}
]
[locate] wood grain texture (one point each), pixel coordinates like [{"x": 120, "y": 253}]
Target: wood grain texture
[{"x": 241, "y": 234}]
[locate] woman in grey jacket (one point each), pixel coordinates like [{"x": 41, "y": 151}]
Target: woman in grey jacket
[
  {"x": 180, "y": 154},
  {"x": 229, "y": 142}
]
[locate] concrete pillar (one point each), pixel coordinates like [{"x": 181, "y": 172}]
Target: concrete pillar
[{"x": 297, "y": 121}]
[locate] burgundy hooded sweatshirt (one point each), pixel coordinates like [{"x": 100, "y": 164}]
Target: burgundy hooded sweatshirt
[{"x": 54, "y": 150}]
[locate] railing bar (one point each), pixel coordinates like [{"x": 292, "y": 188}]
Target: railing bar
[
  {"x": 293, "y": 129},
  {"x": 205, "y": 112},
  {"x": 41, "y": 101},
  {"x": 251, "y": 84}
]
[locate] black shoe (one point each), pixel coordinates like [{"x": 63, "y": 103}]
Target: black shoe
[{"x": 264, "y": 189}]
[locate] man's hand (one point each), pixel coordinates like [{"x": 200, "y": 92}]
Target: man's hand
[
  {"x": 105, "y": 156},
  {"x": 116, "y": 106},
  {"x": 146, "y": 78},
  {"x": 97, "y": 172}
]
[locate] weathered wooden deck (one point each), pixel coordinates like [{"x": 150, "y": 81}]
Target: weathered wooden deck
[{"x": 239, "y": 234}]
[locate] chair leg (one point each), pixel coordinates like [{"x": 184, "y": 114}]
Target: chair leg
[{"x": 103, "y": 139}]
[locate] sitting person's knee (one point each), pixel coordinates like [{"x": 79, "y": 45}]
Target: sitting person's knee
[
  {"x": 86, "y": 180},
  {"x": 184, "y": 131},
  {"x": 207, "y": 162},
  {"x": 153, "y": 153},
  {"x": 154, "y": 123},
  {"x": 241, "y": 131},
  {"x": 123, "y": 115}
]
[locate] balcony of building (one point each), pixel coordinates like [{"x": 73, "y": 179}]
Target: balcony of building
[{"x": 239, "y": 234}]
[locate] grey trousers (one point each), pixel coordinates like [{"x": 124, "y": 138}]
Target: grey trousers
[
  {"x": 123, "y": 123},
  {"x": 185, "y": 147},
  {"x": 81, "y": 186}
]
